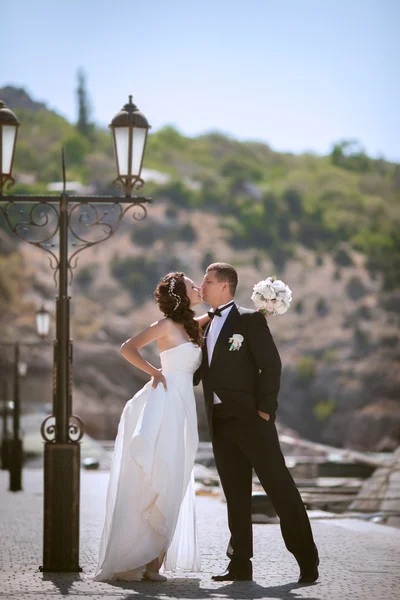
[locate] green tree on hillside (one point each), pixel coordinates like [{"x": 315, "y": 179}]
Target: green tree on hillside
[
  {"x": 177, "y": 193},
  {"x": 76, "y": 148},
  {"x": 293, "y": 199},
  {"x": 238, "y": 170},
  {"x": 83, "y": 124},
  {"x": 349, "y": 154}
]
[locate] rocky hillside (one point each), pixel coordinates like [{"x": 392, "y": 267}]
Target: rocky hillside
[{"x": 328, "y": 226}]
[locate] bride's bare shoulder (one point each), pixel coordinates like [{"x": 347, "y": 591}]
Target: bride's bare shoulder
[
  {"x": 171, "y": 325},
  {"x": 170, "y": 328},
  {"x": 165, "y": 324}
]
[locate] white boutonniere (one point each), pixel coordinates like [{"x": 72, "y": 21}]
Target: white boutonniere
[{"x": 236, "y": 341}]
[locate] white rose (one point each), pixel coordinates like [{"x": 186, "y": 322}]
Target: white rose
[
  {"x": 284, "y": 297},
  {"x": 281, "y": 308},
  {"x": 265, "y": 289},
  {"x": 258, "y": 287},
  {"x": 269, "y": 281},
  {"x": 258, "y": 300},
  {"x": 269, "y": 292},
  {"x": 285, "y": 294},
  {"x": 288, "y": 291},
  {"x": 278, "y": 285},
  {"x": 281, "y": 305}
]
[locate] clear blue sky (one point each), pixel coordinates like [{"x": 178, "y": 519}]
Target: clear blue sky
[{"x": 297, "y": 74}]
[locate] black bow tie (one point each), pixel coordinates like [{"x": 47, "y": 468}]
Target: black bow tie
[{"x": 218, "y": 311}]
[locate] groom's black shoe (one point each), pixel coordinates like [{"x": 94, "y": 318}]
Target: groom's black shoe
[
  {"x": 236, "y": 571},
  {"x": 309, "y": 568}
]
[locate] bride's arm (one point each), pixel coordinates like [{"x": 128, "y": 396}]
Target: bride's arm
[
  {"x": 203, "y": 320},
  {"x": 130, "y": 349}
]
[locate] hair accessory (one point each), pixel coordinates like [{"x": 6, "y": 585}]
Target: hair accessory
[{"x": 171, "y": 292}]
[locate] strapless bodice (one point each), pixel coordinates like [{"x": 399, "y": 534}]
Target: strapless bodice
[{"x": 184, "y": 358}]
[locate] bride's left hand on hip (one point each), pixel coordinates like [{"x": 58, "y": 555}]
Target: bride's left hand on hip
[{"x": 159, "y": 378}]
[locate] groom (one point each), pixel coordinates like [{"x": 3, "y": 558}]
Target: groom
[{"x": 241, "y": 378}]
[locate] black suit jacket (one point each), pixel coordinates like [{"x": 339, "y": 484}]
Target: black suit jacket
[{"x": 245, "y": 380}]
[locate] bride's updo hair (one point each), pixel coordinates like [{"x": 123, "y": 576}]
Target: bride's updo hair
[{"x": 173, "y": 301}]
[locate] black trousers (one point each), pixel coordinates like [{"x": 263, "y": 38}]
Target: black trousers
[{"x": 239, "y": 446}]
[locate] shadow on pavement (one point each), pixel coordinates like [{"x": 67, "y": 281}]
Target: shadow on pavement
[
  {"x": 190, "y": 588},
  {"x": 62, "y": 581}
]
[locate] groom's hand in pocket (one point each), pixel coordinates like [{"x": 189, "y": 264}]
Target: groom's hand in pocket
[
  {"x": 264, "y": 415},
  {"x": 159, "y": 378}
]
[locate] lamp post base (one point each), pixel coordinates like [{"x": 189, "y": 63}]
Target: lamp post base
[
  {"x": 61, "y": 507},
  {"x": 5, "y": 454},
  {"x": 15, "y": 465}
]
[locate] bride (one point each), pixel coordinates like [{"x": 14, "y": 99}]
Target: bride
[{"x": 150, "y": 515}]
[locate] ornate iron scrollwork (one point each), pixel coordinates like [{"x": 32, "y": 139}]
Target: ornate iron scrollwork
[
  {"x": 42, "y": 223},
  {"x": 93, "y": 219},
  {"x": 6, "y": 182},
  {"x": 35, "y": 226},
  {"x": 48, "y": 430},
  {"x": 75, "y": 429},
  {"x": 128, "y": 184}
]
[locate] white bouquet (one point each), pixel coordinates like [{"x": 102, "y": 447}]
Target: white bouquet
[{"x": 272, "y": 296}]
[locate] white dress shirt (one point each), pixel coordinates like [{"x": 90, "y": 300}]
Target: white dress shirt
[{"x": 215, "y": 329}]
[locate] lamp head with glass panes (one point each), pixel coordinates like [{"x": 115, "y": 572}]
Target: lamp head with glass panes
[
  {"x": 8, "y": 135},
  {"x": 43, "y": 322},
  {"x": 129, "y": 128}
]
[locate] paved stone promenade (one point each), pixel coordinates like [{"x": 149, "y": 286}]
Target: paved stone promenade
[{"x": 359, "y": 560}]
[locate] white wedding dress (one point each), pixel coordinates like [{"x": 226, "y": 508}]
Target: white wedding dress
[{"x": 150, "y": 499}]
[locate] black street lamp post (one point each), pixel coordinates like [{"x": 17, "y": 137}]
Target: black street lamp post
[
  {"x": 5, "y": 437},
  {"x": 16, "y": 441},
  {"x": 63, "y": 214},
  {"x": 13, "y": 451}
]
